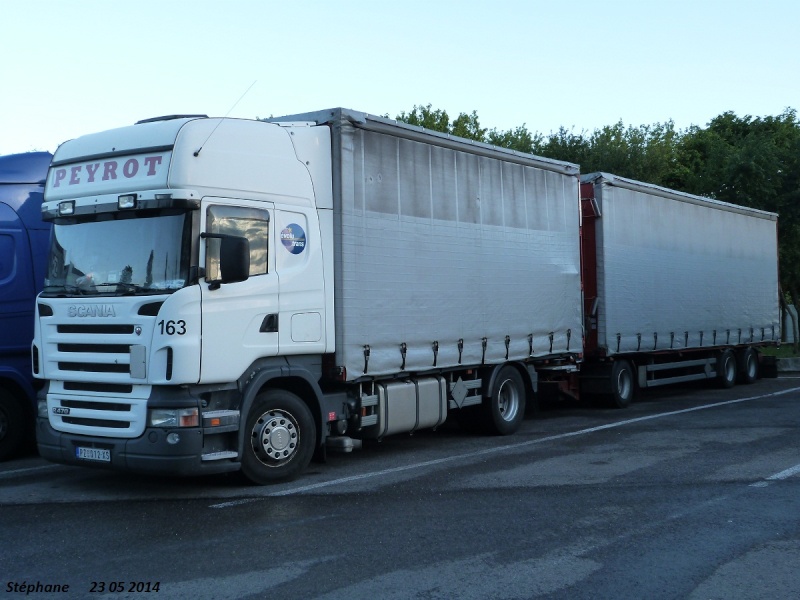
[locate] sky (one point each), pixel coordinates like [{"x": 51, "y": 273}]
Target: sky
[{"x": 73, "y": 67}]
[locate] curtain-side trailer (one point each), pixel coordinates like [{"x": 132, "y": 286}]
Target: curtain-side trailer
[{"x": 677, "y": 287}]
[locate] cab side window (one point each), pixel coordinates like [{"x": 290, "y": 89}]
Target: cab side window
[{"x": 250, "y": 223}]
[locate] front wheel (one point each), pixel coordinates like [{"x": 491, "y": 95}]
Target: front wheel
[
  {"x": 506, "y": 402},
  {"x": 280, "y": 438}
]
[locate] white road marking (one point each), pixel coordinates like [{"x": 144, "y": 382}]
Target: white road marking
[
  {"x": 16, "y": 472},
  {"x": 234, "y": 503},
  {"x": 785, "y": 474}
]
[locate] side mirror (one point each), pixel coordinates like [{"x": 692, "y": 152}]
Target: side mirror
[{"x": 232, "y": 264}]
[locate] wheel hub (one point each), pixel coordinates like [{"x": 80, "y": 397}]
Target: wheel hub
[
  {"x": 508, "y": 401},
  {"x": 275, "y": 437}
]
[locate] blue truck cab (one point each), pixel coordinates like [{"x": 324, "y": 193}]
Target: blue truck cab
[{"x": 24, "y": 242}]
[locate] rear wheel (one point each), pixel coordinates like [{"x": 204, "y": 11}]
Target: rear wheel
[
  {"x": 622, "y": 384},
  {"x": 506, "y": 402},
  {"x": 748, "y": 365},
  {"x": 726, "y": 369},
  {"x": 280, "y": 438}
]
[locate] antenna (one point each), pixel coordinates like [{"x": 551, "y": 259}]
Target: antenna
[{"x": 197, "y": 152}]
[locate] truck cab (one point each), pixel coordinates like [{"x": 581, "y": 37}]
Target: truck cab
[
  {"x": 186, "y": 259},
  {"x": 23, "y": 255}
]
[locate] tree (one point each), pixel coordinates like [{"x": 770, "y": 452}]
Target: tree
[
  {"x": 427, "y": 117},
  {"x": 519, "y": 139}
]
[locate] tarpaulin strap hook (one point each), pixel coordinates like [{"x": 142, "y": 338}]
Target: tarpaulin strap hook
[
  {"x": 366, "y": 358},
  {"x": 403, "y": 350}
]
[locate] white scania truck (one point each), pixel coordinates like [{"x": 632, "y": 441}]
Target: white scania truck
[{"x": 228, "y": 294}]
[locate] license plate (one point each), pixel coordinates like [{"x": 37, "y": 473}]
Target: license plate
[{"x": 97, "y": 454}]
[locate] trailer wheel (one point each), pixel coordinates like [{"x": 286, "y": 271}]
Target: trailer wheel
[
  {"x": 622, "y": 384},
  {"x": 506, "y": 402},
  {"x": 12, "y": 424},
  {"x": 726, "y": 369},
  {"x": 280, "y": 438},
  {"x": 748, "y": 366}
]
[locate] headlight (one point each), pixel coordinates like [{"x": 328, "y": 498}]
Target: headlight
[
  {"x": 174, "y": 417},
  {"x": 41, "y": 409}
]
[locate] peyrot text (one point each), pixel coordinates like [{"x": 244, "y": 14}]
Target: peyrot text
[{"x": 108, "y": 170}]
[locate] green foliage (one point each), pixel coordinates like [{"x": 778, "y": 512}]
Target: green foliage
[
  {"x": 425, "y": 116},
  {"x": 750, "y": 161},
  {"x": 519, "y": 139},
  {"x": 468, "y": 126}
]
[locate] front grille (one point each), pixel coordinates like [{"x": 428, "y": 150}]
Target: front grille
[
  {"x": 93, "y": 405},
  {"x": 105, "y": 348},
  {"x": 97, "y": 329},
  {"x": 104, "y": 388},
  {"x": 93, "y": 367},
  {"x": 99, "y": 372},
  {"x": 105, "y": 423}
]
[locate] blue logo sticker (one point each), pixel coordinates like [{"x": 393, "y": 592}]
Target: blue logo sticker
[{"x": 294, "y": 238}]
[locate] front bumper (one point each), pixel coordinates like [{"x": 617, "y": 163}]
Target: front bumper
[{"x": 149, "y": 453}]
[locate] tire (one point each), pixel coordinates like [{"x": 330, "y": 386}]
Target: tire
[
  {"x": 506, "y": 402},
  {"x": 726, "y": 369},
  {"x": 623, "y": 386},
  {"x": 280, "y": 438},
  {"x": 12, "y": 425},
  {"x": 748, "y": 366}
]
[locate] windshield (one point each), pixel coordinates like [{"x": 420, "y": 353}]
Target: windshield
[{"x": 119, "y": 254}]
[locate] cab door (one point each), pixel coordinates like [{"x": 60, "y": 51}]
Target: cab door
[{"x": 239, "y": 320}]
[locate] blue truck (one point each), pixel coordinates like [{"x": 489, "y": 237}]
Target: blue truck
[{"x": 24, "y": 242}]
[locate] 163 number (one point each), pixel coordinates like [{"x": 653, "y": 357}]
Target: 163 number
[{"x": 172, "y": 327}]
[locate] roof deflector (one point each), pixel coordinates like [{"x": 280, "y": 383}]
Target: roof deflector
[{"x": 170, "y": 118}]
